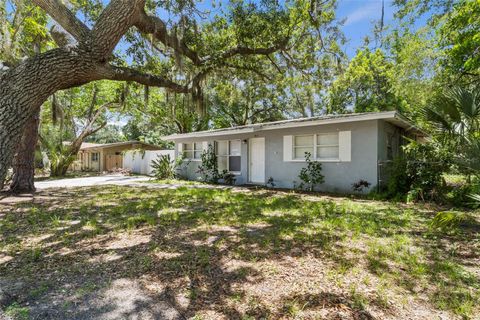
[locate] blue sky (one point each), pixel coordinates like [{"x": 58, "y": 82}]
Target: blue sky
[{"x": 360, "y": 16}]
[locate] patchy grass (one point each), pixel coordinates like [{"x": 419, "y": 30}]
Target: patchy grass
[{"x": 232, "y": 253}]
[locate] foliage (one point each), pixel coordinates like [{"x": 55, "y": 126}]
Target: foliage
[
  {"x": 366, "y": 85},
  {"x": 450, "y": 220},
  {"x": 460, "y": 195},
  {"x": 455, "y": 118},
  {"x": 311, "y": 176},
  {"x": 271, "y": 182},
  {"x": 360, "y": 185},
  {"x": 419, "y": 172},
  {"x": 208, "y": 169},
  {"x": 166, "y": 168},
  {"x": 228, "y": 177},
  {"x": 74, "y": 116},
  {"x": 460, "y": 38},
  {"x": 109, "y": 134}
]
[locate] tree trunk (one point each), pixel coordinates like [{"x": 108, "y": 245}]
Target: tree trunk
[
  {"x": 24, "y": 160},
  {"x": 24, "y": 88}
]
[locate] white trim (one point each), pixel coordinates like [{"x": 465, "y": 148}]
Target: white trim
[
  {"x": 193, "y": 150},
  {"x": 318, "y": 160},
  {"x": 228, "y": 155},
  {"x": 296, "y": 123}
]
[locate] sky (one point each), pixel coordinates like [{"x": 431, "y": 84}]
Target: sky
[{"x": 360, "y": 16}]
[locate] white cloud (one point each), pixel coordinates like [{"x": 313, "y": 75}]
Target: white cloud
[{"x": 370, "y": 10}]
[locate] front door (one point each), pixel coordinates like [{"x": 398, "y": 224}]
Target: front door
[{"x": 257, "y": 160}]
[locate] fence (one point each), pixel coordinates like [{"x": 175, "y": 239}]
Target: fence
[{"x": 141, "y": 161}]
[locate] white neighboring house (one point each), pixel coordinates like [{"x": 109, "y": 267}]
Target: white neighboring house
[{"x": 141, "y": 161}]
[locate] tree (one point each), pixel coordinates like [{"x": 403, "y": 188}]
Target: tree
[
  {"x": 365, "y": 86},
  {"x": 85, "y": 54},
  {"x": 244, "y": 101},
  {"x": 23, "y": 33},
  {"x": 77, "y": 114},
  {"x": 454, "y": 27}
]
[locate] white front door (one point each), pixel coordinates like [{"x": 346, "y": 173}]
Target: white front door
[{"x": 257, "y": 160}]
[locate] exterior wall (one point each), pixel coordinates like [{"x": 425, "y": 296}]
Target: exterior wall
[
  {"x": 85, "y": 156},
  {"x": 386, "y": 129},
  {"x": 339, "y": 176},
  {"x": 142, "y": 163}
]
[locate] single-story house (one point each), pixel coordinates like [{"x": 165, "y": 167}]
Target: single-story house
[
  {"x": 106, "y": 157},
  {"x": 350, "y": 147}
]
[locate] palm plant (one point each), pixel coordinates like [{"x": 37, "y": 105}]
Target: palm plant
[{"x": 456, "y": 115}]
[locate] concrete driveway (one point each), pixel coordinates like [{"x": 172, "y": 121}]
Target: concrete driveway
[{"x": 91, "y": 181}]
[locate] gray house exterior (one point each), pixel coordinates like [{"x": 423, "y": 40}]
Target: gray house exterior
[{"x": 350, "y": 147}]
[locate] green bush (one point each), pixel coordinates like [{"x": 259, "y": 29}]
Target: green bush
[
  {"x": 419, "y": 173},
  {"x": 209, "y": 167},
  {"x": 164, "y": 168},
  {"x": 228, "y": 177},
  {"x": 460, "y": 195},
  {"x": 311, "y": 176}
]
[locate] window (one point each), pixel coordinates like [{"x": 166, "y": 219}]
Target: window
[
  {"x": 192, "y": 150},
  {"x": 323, "y": 146},
  {"x": 95, "y": 157},
  {"x": 228, "y": 155},
  {"x": 389, "y": 146},
  {"x": 302, "y": 144},
  {"x": 327, "y": 146}
]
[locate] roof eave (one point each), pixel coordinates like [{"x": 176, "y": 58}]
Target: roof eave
[{"x": 292, "y": 124}]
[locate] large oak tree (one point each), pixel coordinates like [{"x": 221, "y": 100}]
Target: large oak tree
[{"x": 85, "y": 51}]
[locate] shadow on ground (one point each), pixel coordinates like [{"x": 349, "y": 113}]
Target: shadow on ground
[{"x": 119, "y": 252}]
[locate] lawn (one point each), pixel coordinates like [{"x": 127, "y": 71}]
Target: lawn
[{"x": 193, "y": 252}]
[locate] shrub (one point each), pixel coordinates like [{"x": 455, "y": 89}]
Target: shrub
[
  {"x": 311, "y": 176},
  {"x": 165, "y": 168},
  {"x": 209, "y": 167},
  {"x": 450, "y": 220},
  {"x": 460, "y": 195},
  {"x": 228, "y": 177},
  {"x": 360, "y": 184},
  {"x": 419, "y": 173},
  {"x": 271, "y": 182}
]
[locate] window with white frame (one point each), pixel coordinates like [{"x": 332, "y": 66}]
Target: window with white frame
[
  {"x": 327, "y": 146},
  {"x": 95, "y": 156},
  {"x": 192, "y": 150},
  {"x": 322, "y": 146},
  {"x": 301, "y": 145},
  {"x": 228, "y": 155}
]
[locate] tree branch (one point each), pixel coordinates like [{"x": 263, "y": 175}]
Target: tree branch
[
  {"x": 65, "y": 18},
  {"x": 113, "y": 23},
  {"x": 156, "y": 27},
  {"x": 127, "y": 74},
  {"x": 241, "y": 50}
]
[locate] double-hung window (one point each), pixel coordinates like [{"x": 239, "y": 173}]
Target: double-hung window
[
  {"x": 327, "y": 146},
  {"x": 192, "y": 150},
  {"x": 228, "y": 155},
  {"x": 322, "y": 146},
  {"x": 302, "y": 145}
]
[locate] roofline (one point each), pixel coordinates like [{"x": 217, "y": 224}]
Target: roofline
[
  {"x": 295, "y": 123},
  {"x": 116, "y": 144}
]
